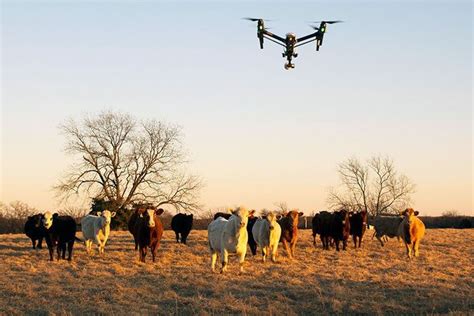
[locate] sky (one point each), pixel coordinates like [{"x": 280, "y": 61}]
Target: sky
[{"x": 395, "y": 79}]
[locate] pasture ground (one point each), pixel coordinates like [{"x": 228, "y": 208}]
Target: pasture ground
[{"x": 371, "y": 280}]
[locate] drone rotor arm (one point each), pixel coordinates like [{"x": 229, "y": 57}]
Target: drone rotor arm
[
  {"x": 274, "y": 41},
  {"x": 278, "y": 38},
  {"x": 304, "y": 43},
  {"x": 304, "y": 38}
]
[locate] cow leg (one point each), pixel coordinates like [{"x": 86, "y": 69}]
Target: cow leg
[
  {"x": 264, "y": 253},
  {"x": 293, "y": 246},
  {"x": 416, "y": 247},
  {"x": 241, "y": 261},
  {"x": 336, "y": 241},
  {"x": 177, "y": 237},
  {"x": 408, "y": 247},
  {"x": 213, "y": 260},
  {"x": 50, "y": 248},
  {"x": 323, "y": 241},
  {"x": 225, "y": 259},
  {"x": 354, "y": 238},
  {"x": 40, "y": 243},
  {"x": 70, "y": 245},
  {"x": 344, "y": 244},
  {"x": 184, "y": 237},
  {"x": 63, "y": 250},
  {"x": 380, "y": 239},
  {"x": 360, "y": 241},
  {"x": 34, "y": 243},
  {"x": 142, "y": 253},
  {"x": 285, "y": 244},
  {"x": 274, "y": 250}
]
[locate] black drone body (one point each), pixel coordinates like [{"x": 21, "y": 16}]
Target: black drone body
[{"x": 290, "y": 42}]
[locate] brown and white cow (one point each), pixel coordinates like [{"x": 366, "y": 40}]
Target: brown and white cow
[
  {"x": 147, "y": 230},
  {"x": 411, "y": 230},
  {"x": 289, "y": 231}
]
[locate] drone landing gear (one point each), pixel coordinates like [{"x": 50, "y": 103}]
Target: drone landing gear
[{"x": 289, "y": 66}]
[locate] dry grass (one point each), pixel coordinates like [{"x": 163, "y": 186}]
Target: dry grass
[{"x": 371, "y": 280}]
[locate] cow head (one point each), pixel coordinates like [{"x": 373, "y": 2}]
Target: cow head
[
  {"x": 48, "y": 219},
  {"x": 272, "y": 220},
  {"x": 149, "y": 216},
  {"x": 342, "y": 216},
  {"x": 293, "y": 217},
  {"x": 37, "y": 220},
  {"x": 242, "y": 216},
  {"x": 409, "y": 214},
  {"x": 106, "y": 216}
]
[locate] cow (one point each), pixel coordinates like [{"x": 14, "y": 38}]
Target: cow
[
  {"x": 251, "y": 241},
  {"x": 182, "y": 224},
  {"x": 147, "y": 230},
  {"x": 386, "y": 226},
  {"x": 266, "y": 233},
  {"x": 289, "y": 231},
  {"x": 221, "y": 214},
  {"x": 60, "y": 231},
  {"x": 320, "y": 225},
  {"x": 96, "y": 228},
  {"x": 228, "y": 236},
  {"x": 358, "y": 222},
  {"x": 340, "y": 228},
  {"x": 411, "y": 230},
  {"x": 34, "y": 230}
]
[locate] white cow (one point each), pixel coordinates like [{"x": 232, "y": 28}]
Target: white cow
[
  {"x": 228, "y": 236},
  {"x": 266, "y": 233},
  {"x": 96, "y": 228}
]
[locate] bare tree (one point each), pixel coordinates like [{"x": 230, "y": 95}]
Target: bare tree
[
  {"x": 282, "y": 207},
  {"x": 126, "y": 161},
  {"x": 375, "y": 186},
  {"x": 17, "y": 210}
]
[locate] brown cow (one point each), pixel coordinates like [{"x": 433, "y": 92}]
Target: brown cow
[
  {"x": 147, "y": 231},
  {"x": 411, "y": 230},
  {"x": 289, "y": 231}
]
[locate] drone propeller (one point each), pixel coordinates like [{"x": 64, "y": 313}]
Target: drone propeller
[
  {"x": 314, "y": 27},
  {"x": 328, "y": 22},
  {"x": 255, "y": 19}
]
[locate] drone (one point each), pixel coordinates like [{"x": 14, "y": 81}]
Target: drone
[{"x": 290, "y": 42}]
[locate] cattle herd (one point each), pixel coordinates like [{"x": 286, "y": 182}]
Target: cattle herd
[{"x": 227, "y": 233}]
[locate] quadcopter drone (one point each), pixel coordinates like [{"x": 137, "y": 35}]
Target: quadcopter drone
[{"x": 290, "y": 42}]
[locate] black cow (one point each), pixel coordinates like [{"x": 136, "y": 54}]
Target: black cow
[
  {"x": 60, "y": 231},
  {"x": 251, "y": 241},
  {"x": 322, "y": 226},
  {"x": 147, "y": 231},
  {"x": 340, "y": 228},
  {"x": 358, "y": 221},
  {"x": 34, "y": 230},
  {"x": 182, "y": 225}
]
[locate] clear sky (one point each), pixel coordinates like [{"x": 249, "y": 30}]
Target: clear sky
[{"x": 395, "y": 79}]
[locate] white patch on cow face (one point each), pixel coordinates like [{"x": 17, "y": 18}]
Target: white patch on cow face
[
  {"x": 47, "y": 220},
  {"x": 151, "y": 217}
]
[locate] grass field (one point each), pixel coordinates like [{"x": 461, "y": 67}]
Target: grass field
[{"x": 371, "y": 280}]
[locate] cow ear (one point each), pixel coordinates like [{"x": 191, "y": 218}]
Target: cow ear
[
  {"x": 300, "y": 213},
  {"x": 99, "y": 213},
  {"x": 55, "y": 215},
  {"x": 159, "y": 211},
  {"x": 416, "y": 213},
  {"x": 252, "y": 213},
  {"x": 113, "y": 214}
]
